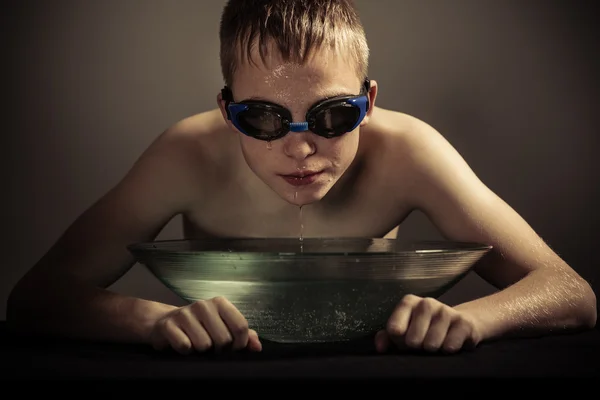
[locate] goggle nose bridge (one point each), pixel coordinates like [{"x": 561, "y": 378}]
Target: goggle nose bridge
[{"x": 298, "y": 126}]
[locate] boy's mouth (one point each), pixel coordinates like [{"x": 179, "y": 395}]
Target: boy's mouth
[{"x": 302, "y": 178}]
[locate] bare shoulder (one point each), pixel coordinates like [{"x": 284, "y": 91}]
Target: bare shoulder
[
  {"x": 437, "y": 172},
  {"x": 416, "y": 155},
  {"x": 203, "y": 131},
  {"x": 185, "y": 154},
  {"x": 439, "y": 182},
  {"x": 410, "y": 137},
  {"x": 164, "y": 181},
  {"x": 433, "y": 175}
]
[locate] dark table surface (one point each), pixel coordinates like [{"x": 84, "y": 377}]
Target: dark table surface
[{"x": 573, "y": 355}]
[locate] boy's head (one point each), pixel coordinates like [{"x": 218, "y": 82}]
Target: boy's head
[{"x": 296, "y": 89}]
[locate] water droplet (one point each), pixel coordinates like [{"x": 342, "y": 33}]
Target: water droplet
[{"x": 301, "y": 237}]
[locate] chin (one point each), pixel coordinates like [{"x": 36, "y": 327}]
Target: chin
[
  {"x": 306, "y": 200},
  {"x": 305, "y": 195}
]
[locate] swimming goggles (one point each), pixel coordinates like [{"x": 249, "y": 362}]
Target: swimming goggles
[{"x": 329, "y": 118}]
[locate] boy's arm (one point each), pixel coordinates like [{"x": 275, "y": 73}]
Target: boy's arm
[
  {"x": 64, "y": 293},
  {"x": 540, "y": 292}
]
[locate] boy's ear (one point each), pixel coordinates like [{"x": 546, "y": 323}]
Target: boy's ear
[
  {"x": 372, "y": 97},
  {"x": 221, "y": 104}
]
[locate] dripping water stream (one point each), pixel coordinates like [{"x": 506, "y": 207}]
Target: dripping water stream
[{"x": 301, "y": 235}]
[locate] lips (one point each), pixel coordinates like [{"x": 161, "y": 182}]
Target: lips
[
  {"x": 302, "y": 178},
  {"x": 302, "y": 174}
]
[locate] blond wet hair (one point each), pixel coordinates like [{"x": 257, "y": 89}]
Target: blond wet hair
[{"x": 295, "y": 28}]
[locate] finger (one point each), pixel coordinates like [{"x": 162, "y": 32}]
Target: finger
[
  {"x": 176, "y": 338},
  {"x": 398, "y": 322},
  {"x": 254, "y": 343},
  {"x": 236, "y": 323},
  {"x": 438, "y": 329},
  {"x": 382, "y": 341},
  {"x": 158, "y": 339},
  {"x": 199, "y": 337},
  {"x": 207, "y": 314},
  {"x": 420, "y": 320},
  {"x": 456, "y": 336},
  {"x": 469, "y": 343}
]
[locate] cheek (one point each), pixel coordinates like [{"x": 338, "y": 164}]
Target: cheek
[
  {"x": 249, "y": 150},
  {"x": 343, "y": 149},
  {"x": 256, "y": 152}
]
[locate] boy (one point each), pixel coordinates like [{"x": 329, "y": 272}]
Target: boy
[{"x": 297, "y": 125}]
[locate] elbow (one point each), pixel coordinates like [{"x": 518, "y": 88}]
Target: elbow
[
  {"x": 590, "y": 317},
  {"x": 589, "y": 310}
]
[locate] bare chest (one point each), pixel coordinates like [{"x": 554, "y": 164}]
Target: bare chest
[{"x": 364, "y": 209}]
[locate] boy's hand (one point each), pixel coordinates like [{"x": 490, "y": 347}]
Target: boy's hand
[
  {"x": 425, "y": 323},
  {"x": 202, "y": 325}
]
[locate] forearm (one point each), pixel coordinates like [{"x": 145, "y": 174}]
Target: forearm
[
  {"x": 541, "y": 302},
  {"x": 82, "y": 312}
]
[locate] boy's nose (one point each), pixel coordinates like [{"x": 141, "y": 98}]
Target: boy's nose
[{"x": 298, "y": 145}]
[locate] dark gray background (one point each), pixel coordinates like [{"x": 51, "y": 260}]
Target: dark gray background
[{"x": 89, "y": 84}]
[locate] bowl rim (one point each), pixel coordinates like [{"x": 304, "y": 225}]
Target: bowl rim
[{"x": 440, "y": 246}]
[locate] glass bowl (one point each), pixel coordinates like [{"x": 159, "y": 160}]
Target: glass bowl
[{"x": 311, "y": 290}]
